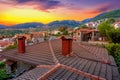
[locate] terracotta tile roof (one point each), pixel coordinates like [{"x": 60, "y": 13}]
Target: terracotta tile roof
[
  {"x": 86, "y": 30},
  {"x": 117, "y": 22},
  {"x": 59, "y": 72},
  {"x": 37, "y": 34},
  {"x": 33, "y": 74},
  {"x": 88, "y": 59},
  {"x": 35, "y": 54},
  {"x": 3, "y": 43},
  {"x": 65, "y": 74},
  {"x": 27, "y": 36}
]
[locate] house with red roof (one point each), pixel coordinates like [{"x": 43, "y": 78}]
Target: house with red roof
[
  {"x": 34, "y": 37},
  {"x": 60, "y": 59},
  {"x": 4, "y": 44},
  {"x": 85, "y": 34}
]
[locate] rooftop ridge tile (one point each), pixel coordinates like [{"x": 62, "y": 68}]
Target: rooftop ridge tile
[
  {"x": 47, "y": 74},
  {"x": 93, "y": 77},
  {"x": 52, "y": 52},
  {"x": 57, "y": 66}
]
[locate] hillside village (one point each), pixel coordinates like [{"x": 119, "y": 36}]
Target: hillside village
[
  {"x": 77, "y": 53},
  {"x": 87, "y": 32},
  {"x": 59, "y": 40}
]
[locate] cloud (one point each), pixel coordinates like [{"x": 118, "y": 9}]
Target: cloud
[
  {"x": 100, "y": 9},
  {"x": 44, "y": 5},
  {"x": 7, "y": 1},
  {"x": 48, "y": 4},
  {"x": 23, "y": 1}
]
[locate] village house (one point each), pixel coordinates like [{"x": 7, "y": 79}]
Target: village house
[
  {"x": 37, "y": 37},
  {"x": 92, "y": 24},
  {"x": 85, "y": 34},
  {"x": 34, "y": 37},
  {"x": 95, "y": 23},
  {"x": 117, "y": 25},
  {"x": 4, "y": 44},
  {"x": 56, "y": 32},
  {"x": 28, "y": 36},
  {"x": 1, "y": 37},
  {"x": 60, "y": 59},
  {"x": 70, "y": 31}
]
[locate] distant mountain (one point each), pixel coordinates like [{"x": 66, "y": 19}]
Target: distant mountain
[
  {"x": 69, "y": 23},
  {"x": 28, "y": 25},
  {"x": 54, "y": 24},
  {"x": 86, "y": 20},
  {"x": 3, "y": 26}
]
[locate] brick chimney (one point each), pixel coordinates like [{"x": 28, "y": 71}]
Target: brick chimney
[
  {"x": 66, "y": 46},
  {"x": 21, "y": 44}
]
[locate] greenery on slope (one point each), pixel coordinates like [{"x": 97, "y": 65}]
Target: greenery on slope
[
  {"x": 111, "y": 14},
  {"x": 69, "y": 23},
  {"x": 114, "y": 50}
]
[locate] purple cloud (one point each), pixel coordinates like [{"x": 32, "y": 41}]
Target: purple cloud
[
  {"x": 23, "y": 1},
  {"x": 100, "y": 9},
  {"x": 44, "y": 5},
  {"x": 48, "y": 4},
  {"x": 79, "y": 5},
  {"x": 7, "y": 1}
]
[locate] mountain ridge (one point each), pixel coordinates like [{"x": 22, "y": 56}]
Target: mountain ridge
[{"x": 69, "y": 23}]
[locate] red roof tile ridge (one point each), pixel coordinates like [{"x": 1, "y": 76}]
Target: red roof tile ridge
[
  {"x": 88, "y": 75},
  {"x": 53, "y": 54},
  {"x": 105, "y": 61},
  {"x": 57, "y": 66},
  {"x": 51, "y": 71}
]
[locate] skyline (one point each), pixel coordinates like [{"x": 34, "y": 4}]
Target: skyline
[{"x": 45, "y": 11}]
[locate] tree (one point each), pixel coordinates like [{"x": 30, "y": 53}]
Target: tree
[
  {"x": 65, "y": 32},
  {"x": 110, "y": 20},
  {"x": 62, "y": 28},
  {"x": 114, "y": 35},
  {"x": 83, "y": 26},
  {"x": 104, "y": 27}
]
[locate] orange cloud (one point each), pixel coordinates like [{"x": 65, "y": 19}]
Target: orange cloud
[{"x": 99, "y": 9}]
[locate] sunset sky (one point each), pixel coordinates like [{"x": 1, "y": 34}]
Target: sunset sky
[{"x": 45, "y": 11}]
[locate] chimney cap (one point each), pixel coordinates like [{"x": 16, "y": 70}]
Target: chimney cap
[
  {"x": 21, "y": 37},
  {"x": 63, "y": 37},
  {"x": 67, "y": 38}
]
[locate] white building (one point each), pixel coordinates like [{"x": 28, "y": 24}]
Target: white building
[
  {"x": 92, "y": 24},
  {"x": 56, "y": 32},
  {"x": 117, "y": 25}
]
